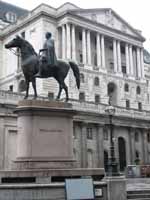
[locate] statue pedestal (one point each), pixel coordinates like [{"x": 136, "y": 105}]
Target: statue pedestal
[{"x": 45, "y": 135}]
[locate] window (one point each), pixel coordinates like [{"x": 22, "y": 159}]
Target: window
[
  {"x": 127, "y": 104},
  {"x": 97, "y": 99},
  {"x": 80, "y": 36},
  {"x": 82, "y": 78},
  {"x": 105, "y": 133},
  {"x": 81, "y": 96},
  {"x": 95, "y": 60},
  {"x": 138, "y": 90},
  {"x": 23, "y": 34},
  {"x": 140, "y": 106},
  {"x": 89, "y": 133},
  {"x": 81, "y": 58},
  {"x": 148, "y": 137},
  {"x": 126, "y": 87},
  {"x": 11, "y": 17},
  {"x": 22, "y": 86},
  {"x": 111, "y": 65},
  {"x": 136, "y": 136},
  {"x": 124, "y": 71},
  {"x": 96, "y": 81},
  {"x": 11, "y": 88},
  {"x": 122, "y": 49}
]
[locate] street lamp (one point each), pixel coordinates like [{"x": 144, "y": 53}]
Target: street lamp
[{"x": 112, "y": 164}]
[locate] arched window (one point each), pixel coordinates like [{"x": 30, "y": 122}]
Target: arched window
[
  {"x": 82, "y": 78},
  {"x": 96, "y": 81},
  {"x": 138, "y": 90},
  {"x": 126, "y": 87},
  {"x": 22, "y": 86}
]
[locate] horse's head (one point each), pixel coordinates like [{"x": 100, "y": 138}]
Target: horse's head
[{"x": 16, "y": 42}]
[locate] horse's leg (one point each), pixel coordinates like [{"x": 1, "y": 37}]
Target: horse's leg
[
  {"x": 66, "y": 90},
  {"x": 59, "y": 92},
  {"x": 34, "y": 87},
  {"x": 27, "y": 89}
]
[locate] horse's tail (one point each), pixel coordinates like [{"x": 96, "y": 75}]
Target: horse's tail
[{"x": 76, "y": 72}]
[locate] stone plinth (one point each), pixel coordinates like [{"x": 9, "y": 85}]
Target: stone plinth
[{"x": 45, "y": 135}]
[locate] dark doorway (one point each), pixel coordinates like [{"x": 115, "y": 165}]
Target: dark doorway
[{"x": 122, "y": 153}]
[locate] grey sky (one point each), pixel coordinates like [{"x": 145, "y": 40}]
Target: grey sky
[{"x": 135, "y": 12}]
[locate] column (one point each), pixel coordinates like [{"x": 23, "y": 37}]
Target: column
[
  {"x": 68, "y": 41},
  {"x": 63, "y": 42},
  {"x": 138, "y": 62},
  {"x": 132, "y": 146},
  {"x": 115, "y": 55},
  {"x": 131, "y": 60},
  {"x": 73, "y": 42},
  {"x": 100, "y": 148},
  {"x": 127, "y": 58},
  {"x": 84, "y": 45},
  {"x": 98, "y": 46},
  {"x": 142, "y": 64},
  {"x": 89, "y": 46},
  {"x": 103, "y": 51},
  {"x": 145, "y": 149},
  {"x": 83, "y": 142},
  {"x": 119, "y": 57}
]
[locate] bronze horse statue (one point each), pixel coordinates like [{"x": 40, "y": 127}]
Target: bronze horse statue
[{"x": 30, "y": 62}]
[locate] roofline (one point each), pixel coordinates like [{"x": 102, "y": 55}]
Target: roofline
[{"x": 67, "y": 3}]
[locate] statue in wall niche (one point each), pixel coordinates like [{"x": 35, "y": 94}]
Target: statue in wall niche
[{"x": 34, "y": 65}]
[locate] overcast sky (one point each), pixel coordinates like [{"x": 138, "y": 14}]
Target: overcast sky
[{"x": 135, "y": 12}]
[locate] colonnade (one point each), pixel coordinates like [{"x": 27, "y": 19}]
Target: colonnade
[{"x": 69, "y": 41}]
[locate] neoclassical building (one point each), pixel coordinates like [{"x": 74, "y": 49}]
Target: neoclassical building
[{"x": 109, "y": 53}]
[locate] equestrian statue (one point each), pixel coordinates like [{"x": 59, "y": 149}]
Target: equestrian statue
[{"x": 43, "y": 65}]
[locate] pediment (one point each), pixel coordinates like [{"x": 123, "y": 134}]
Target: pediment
[{"x": 110, "y": 19}]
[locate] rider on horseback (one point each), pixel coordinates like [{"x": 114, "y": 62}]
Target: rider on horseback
[{"x": 48, "y": 54}]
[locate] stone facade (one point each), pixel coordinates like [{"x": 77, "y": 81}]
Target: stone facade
[{"x": 109, "y": 53}]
